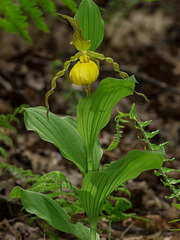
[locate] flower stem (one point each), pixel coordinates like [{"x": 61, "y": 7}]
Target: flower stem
[{"x": 88, "y": 89}]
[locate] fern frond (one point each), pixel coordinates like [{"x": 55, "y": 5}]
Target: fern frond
[
  {"x": 3, "y": 152},
  {"x": 48, "y": 5},
  {"x": 167, "y": 182},
  {"x": 14, "y": 18},
  {"x": 7, "y": 26},
  {"x": 6, "y": 122},
  {"x": 71, "y": 4},
  {"x": 6, "y": 138},
  {"x": 53, "y": 181},
  {"x": 118, "y": 135},
  {"x": 34, "y": 12},
  {"x": 14, "y": 15},
  {"x": 18, "y": 173},
  {"x": 53, "y": 184}
]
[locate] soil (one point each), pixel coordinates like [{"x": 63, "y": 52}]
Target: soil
[{"x": 145, "y": 41}]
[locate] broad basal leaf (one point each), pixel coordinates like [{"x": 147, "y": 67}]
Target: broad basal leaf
[
  {"x": 90, "y": 22},
  {"x": 94, "y": 112},
  {"x": 98, "y": 185},
  {"x": 48, "y": 209},
  {"x": 60, "y": 131}
]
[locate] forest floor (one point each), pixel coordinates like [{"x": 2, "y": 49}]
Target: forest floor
[{"x": 148, "y": 48}]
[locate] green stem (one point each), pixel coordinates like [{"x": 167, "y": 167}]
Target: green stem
[
  {"x": 88, "y": 89},
  {"x": 109, "y": 238},
  {"x": 93, "y": 228}
]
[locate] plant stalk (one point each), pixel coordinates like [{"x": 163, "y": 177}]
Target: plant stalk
[
  {"x": 88, "y": 89},
  {"x": 93, "y": 228}
]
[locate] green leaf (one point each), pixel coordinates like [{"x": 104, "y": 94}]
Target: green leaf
[
  {"x": 167, "y": 170},
  {"x": 3, "y": 152},
  {"x": 151, "y": 134},
  {"x": 14, "y": 15},
  {"x": 46, "y": 208},
  {"x": 90, "y": 22},
  {"x": 98, "y": 185},
  {"x": 71, "y": 4},
  {"x": 94, "y": 112},
  {"x": 146, "y": 123},
  {"x": 176, "y": 205},
  {"x": 97, "y": 153},
  {"x": 61, "y": 132},
  {"x": 132, "y": 113},
  {"x": 33, "y": 11},
  {"x": 48, "y": 5},
  {"x": 7, "y": 26}
]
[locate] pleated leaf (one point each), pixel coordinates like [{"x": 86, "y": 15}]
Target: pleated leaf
[
  {"x": 98, "y": 185},
  {"x": 94, "y": 112},
  {"x": 60, "y": 131},
  {"x": 48, "y": 209},
  {"x": 91, "y": 23}
]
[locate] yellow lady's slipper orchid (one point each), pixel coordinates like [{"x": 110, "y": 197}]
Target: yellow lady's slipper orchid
[{"x": 84, "y": 71}]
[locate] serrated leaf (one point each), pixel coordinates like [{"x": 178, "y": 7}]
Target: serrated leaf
[
  {"x": 171, "y": 196},
  {"x": 176, "y": 205},
  {"x": 160, "y": 146},
  {"x": 48, "y": 5},
  {"x": 98, "y": 185},
  {"x": 94, "y": 112},
  {"x": 32, "y": 9},
  {"x": 46, "y": 208},
  {"x": 15, "y": 17},
  {"x": 167, "y": 170},
  {"x": 7, "y": 26},
  {"x": 6, "y": 138},
  {"x": 146, "y": 123},
  {"x": 133, "y": 112},
  {"x": 151, "y": 134},
  {"x": 173, "y": 181},
  {"x": 165, "y": 183},
  {"x": 71, "y": 4},
  {"x": 90, "y": 22},
  {"x": 3, "y": 152},
  {"x": 59, "y": 131}
]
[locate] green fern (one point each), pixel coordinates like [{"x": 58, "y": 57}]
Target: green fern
[
  {"x": 14, "y": 21},
  {"x": 32, "y": 10},
  {"x": 14, "y": 13},
  {"x": 6, "y": 122},
  {"x": 71, "y": 4},
  {"x": 118, "y": 135},
  {"x": 140, "y": 125},
  {"x": 53, "y": 184},
  {"x": 167, "y": 182},
  {"x": 48, "y": 5}
]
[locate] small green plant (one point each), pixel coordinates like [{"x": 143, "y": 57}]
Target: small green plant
[
  {"x": 163, "y": 171},
  {"x": 78, "y": 140},
  {"x": 6, "y": 123}
]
